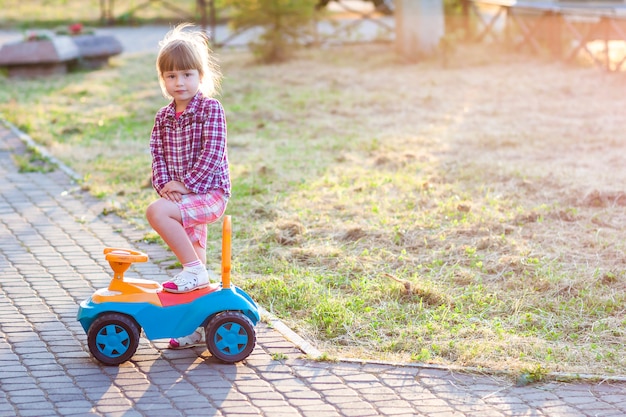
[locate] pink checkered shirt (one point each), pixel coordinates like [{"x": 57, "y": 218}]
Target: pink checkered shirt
[{"x": 192, "y": 149}]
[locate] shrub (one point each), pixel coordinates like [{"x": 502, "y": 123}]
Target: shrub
[{"x": 285, "y": 23}]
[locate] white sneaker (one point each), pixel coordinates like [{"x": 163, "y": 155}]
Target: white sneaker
[
  {"x": 192, "y": 340},
  {"x": 187, "y": 280}
]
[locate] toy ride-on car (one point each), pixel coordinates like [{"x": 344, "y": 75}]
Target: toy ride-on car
[{"x": 113, "y": 317}]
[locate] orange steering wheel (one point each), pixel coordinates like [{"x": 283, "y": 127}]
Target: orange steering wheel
[{"x": 125, "y": 256}]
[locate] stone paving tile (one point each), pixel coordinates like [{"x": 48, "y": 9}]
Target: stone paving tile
[{"x": 51, "y": 242}]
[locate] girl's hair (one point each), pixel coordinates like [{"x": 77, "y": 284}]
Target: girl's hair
[{"x": 188, "y": 49}]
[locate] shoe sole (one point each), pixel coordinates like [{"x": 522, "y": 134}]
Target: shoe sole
[
  {"x": 192, "y": 345},
  {"x": 199, "y": 287}
]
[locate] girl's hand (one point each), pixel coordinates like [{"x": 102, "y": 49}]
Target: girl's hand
[
  {"x": 174, "y": 191},
  {"x": 175, "y": 187},
  {"x": 172, "y": 196}
]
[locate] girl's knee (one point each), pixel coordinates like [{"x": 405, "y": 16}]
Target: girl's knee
[
  {"x": 162, "y": 209},
  {"x": 151, "y": 211},
  {"x": 155, "y": 211}
]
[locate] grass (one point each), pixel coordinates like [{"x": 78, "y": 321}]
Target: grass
[
  {"x": 33, "y": 161},
  {"x": 371, "y": 210}
]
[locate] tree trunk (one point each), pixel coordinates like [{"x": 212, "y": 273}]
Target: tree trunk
[{"x": 419, "y": 27}]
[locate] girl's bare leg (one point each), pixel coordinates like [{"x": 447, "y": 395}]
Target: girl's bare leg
[
  {"x": 200, "y": 252},
  {"x": 164, "y": 217}
]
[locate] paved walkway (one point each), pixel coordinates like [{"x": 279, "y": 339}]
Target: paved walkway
[{"x": 51, "y": 242}]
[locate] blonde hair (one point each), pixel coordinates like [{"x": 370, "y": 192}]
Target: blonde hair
[{"x": 182, "y": 50}]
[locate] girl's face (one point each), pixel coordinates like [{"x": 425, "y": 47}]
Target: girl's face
[{"x": 182, "y": 85}]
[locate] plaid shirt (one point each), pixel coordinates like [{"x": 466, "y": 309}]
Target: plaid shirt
[{"x": 192, "y": 149}]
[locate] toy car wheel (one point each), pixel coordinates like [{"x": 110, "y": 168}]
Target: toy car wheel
[
  {"x": 113, "y": 338},
  {"x": 230, "y": 336}
]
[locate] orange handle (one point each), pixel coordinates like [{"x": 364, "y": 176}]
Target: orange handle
[
  {"x": 120, "y": 260},
  {"x": 226, "y": 251}
]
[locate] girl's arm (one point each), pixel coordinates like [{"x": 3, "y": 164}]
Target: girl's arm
[
  {"x": 160, "y": 176},
  {"x": 212, "y": 163}
]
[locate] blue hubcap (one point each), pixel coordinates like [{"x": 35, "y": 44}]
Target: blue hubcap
[
  {"x": 112, "y": 340},
  {"x": 231, "y": 338}
]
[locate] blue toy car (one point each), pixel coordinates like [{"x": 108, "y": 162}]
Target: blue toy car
[{"x": 113, "y": 317}]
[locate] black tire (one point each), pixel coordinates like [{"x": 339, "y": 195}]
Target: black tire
[
  {"x": 113, "y": 338},
  {"x": 230, "y": 336}
]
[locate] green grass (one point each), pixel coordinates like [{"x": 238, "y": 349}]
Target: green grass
[
  {"x": 33, "y": 161},
  {"x": 366, "y": 232}
]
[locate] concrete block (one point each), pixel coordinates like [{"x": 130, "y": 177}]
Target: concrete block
[
  {"x": 38, "y": 57},
  {"x": 95, "y": 50}
]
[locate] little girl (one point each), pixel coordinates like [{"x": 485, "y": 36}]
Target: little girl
[{"x": 189, "y": 158}]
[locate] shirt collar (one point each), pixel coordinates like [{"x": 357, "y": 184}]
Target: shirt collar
[{"x": 192, "y": 107}]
